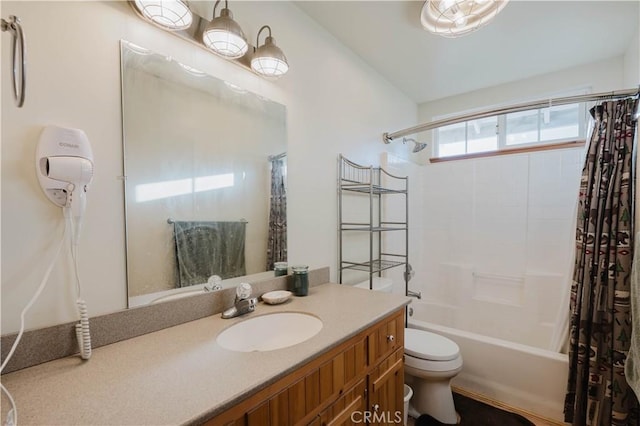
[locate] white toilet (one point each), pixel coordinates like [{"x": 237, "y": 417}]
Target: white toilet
[{"x": 431, "y": 361}]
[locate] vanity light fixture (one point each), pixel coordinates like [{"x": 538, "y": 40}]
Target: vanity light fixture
[
  {"x": 224, "y": 36},
  {"x": 173, "y": 15},
  {"x": 268, "y": 60},
  {"x": 454, "y": 18}
]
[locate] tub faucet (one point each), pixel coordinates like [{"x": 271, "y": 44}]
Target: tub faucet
[
  {"x": 243, "y": 303},
  {"x": 417, "y": 295}
]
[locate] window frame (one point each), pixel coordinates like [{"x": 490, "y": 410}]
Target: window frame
[{"x": 501, "y": 127}]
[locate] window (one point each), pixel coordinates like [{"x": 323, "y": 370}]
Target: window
[{"x": 559, "y": 123}]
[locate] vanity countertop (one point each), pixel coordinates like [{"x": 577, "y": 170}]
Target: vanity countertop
[{"x": 180, "y": 375}]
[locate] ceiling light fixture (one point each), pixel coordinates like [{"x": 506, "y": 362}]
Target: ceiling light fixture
[
  {"x": 268, "y": 60},
  {"x": 454, "y": 18},
  {"x": 224, "y": 36},
  {"x": 173, "y": 15}
]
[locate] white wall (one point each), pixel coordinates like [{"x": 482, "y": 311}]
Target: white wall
[
  {"x": 335, "y": 103},
  {"x": 632, "y": 63},
  {"x": 498, "y": 238}
]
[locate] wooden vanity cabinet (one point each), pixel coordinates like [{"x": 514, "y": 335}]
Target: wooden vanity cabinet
[{"x": 361, "y": 377}]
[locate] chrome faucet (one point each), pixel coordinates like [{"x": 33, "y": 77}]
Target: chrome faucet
[
  {"x": 243, "y": 303},
  {"x": 417, "y": 295}
]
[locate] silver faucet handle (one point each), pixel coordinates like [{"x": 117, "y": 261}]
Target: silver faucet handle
[
  {"x": 409, "y": 272},
  {"x": 243, "y": 291},
  {"x": 213, "y": 283}
]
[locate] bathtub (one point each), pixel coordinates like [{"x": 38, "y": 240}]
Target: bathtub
[{"x": 525, "y": 377}]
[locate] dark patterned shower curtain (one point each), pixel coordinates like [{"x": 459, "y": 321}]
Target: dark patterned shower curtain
[
  {"x": 277, "y": 242},
  {"x": 597, "y": 393}
]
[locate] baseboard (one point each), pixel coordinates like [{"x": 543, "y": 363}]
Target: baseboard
[{"x": 536, "y": 418}]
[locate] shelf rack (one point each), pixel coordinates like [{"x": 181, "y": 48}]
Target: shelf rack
[{"x": 374, "y": 183}]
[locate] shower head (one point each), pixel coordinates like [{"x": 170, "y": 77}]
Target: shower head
[{"x": 419, "y": 145}]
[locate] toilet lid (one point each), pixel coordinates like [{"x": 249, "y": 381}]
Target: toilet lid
[{"x": 425, "y": 345}]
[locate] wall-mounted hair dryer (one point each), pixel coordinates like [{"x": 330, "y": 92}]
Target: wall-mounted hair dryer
[{"x": 64, "y": 164}]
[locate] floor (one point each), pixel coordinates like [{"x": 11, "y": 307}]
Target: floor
[{"x": 537, "y": 421}]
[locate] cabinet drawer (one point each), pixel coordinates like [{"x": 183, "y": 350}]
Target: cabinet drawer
[{"x": 386, "y": 337}]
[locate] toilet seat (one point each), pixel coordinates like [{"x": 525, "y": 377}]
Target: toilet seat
[
  {"x": 425, "y": 366},
  {"x": 428, "y": 346}
]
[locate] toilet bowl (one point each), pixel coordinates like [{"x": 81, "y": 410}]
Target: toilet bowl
[{"x": 431, "y": 361}]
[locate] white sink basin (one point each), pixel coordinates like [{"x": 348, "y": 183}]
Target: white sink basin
[{"x": 269, "y": 332}]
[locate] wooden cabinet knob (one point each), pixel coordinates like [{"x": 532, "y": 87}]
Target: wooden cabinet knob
[{"x": 390, "y": 338}]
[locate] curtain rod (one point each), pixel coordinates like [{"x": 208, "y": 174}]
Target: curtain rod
[{"x": 389, "y": 137}]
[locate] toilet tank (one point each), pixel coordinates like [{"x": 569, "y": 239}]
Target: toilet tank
[{"x": 382, "y": 284}]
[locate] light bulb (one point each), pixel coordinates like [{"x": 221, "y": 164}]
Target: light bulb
[
  {"x": 444, "y": 5},
  {"x": 460, "y": 19},
  {"x": 170, "y": 14}
]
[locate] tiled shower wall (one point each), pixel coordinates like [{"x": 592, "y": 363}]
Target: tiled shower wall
[{"x": 497, "y": 241}]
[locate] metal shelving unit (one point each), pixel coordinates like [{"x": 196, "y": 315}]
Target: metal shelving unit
[{"x": 373, "y": 183}]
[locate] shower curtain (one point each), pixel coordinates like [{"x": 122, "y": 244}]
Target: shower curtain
[
  {"x": 600, "y": 326},
  {"x": 277, "y": 239}
]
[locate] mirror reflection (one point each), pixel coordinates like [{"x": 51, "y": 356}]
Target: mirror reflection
[{"x": 205, "y": 167}]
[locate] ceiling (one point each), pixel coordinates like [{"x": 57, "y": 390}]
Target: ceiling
[{"x": 526, "y": 39}]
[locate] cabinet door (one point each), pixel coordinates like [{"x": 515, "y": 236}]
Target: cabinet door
[
  {"x": 349, "y": 409},
  {"x": 386, "y": 337},
  {"x": 386, "y": 390},
  {"x": 259, "y": 416}
]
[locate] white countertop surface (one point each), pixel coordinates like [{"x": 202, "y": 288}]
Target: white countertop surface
[{"x": 180, "y": 375}]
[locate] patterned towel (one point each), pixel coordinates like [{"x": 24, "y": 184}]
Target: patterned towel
[{"x": 204, "y": 249}]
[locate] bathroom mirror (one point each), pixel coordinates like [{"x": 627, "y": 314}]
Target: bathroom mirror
[{"x": 205, "y": 165}]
